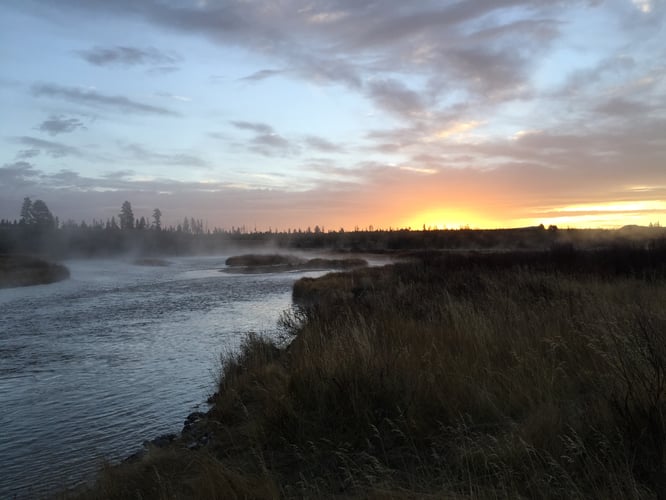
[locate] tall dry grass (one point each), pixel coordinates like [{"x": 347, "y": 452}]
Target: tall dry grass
[{"x": 449, "y": 379}]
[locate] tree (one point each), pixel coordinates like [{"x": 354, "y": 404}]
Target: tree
[
  {"x": 157, "y": 219},
  {"x": 26, "y": 211},
  {"x": 42, "y": 216},
  {"x": 141, "y": 224},
  {"x": 126, "y": 216}
]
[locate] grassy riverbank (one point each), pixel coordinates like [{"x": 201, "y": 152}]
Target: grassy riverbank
[
  {"x": 21, "y": 270},
  {"x": 514, "y": 375}
]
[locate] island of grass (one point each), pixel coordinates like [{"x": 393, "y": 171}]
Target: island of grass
[
  {"x": 23, "y": 270},
  {"x": 273, "y": 263}
]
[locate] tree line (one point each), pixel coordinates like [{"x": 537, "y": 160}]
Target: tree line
[
  {"x": 39, "y": 232},
  {"x": 37, "y": 215}
]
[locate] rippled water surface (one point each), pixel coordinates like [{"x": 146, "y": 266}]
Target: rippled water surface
[{"x": 93, "y": 366}]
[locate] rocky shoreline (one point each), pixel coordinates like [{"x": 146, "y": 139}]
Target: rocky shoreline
[{"x": 193, "y": 435}]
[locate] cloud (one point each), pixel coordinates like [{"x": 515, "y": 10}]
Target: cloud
[
  {"x": 25, "y": 154},
  {"x": 272, "y": 145},
  {"x": 323, "y": 145},
  {"x": 18, "y": 175},
  {"x": 394, "y": 97},
  {"x": 271, "y": 140},
  {"x": 610, "y": 68},
  {"x": 143, "y": 155},
  {"x": 173, "y": 96},
  {"x": 259, "y": 128},
  {"x": 266, "y": 141},
  {"x": 323, "y": 69},
  {"x": 127, "y": 56},
  {"x": 58, "y": 124},
  {"x": 261, "y": 75},
  {"x": 623, "y": 107},
  {"x": 51, "y": 148},
  {"x": 95, "y": 99}
]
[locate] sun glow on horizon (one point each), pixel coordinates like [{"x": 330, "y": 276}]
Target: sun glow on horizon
[
  {"x": 609, "y": 215},
  {"x": 599, "y": 215},
  {"x": 449, "y": 218}
]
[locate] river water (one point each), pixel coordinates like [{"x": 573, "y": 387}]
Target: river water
[{"x": 92, "y": 366}]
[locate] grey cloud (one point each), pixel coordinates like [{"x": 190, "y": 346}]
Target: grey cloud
[
  {"x": 127, "y": 56},
  {"x": 487, "y": 71},
  {"x": 528, "y": 29},
  {"x": 217, "y": 135},
  {"x": 374, "y": 38},
  {"x": 51, "y": 148},
  {"x": 18, "y": 174},
  {"x": 271, "y": 140},
  {"x": 622, "y": 107},
  {"x": 96, "y": 99},
  {"x": 266, "y": 141},
  {"x": 25, "y": 154},
  {"x": 259, "y": 128},
  {"x": 328, "y": 70},
  {"x": 58, "y": 124},
  {"x": 321, "y": 144},
  {"x": 272, "y": 145},
  {"x": 391, "y": 25},
  {"x": 262, "y": 75},
  {"x": 66, "y": 177},
  {"x": 393, "y": 96},
  {"x": 582, "y": 79}
]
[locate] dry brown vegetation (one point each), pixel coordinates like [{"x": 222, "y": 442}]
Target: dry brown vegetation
[
  {"x": 267, "y": 263},
  {"x": 21, "y": 270},
  {"x": 475, "y": 376}
]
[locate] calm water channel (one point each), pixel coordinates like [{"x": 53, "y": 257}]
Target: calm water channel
[{"x": 93, "y": 366}]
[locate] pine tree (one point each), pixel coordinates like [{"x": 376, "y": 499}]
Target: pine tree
[
  {"x": 157, "y": 219},
  {"x": 41, "y": 215},
  {"x": 26, "y": 211},
  {"x": 126, "y": 216}
]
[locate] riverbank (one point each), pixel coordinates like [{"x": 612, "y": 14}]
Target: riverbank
[
  {"x": 22, "y": 270},
  {"x": 518, "y": 375}
]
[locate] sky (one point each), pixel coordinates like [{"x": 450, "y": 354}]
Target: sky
[{"x": 339, "y": 113}]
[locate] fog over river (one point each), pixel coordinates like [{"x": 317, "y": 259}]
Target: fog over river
[{"x": 92, "y": 366}]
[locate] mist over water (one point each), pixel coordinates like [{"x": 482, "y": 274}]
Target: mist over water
[{"x": 93, "y": 366}]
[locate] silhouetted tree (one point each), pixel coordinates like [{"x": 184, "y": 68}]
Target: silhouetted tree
[
  {"x": 157, "y": 219},
  {"x": 112, "y": 224},
  {"x": 41, "y": 215},
  {"x": 141, "y": 224},
  {"x": 26, "y": 211},
  {"x": 126, "y": 216}
]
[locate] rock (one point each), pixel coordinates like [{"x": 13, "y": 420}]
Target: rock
[
  {"x": 161, "y": 441},
  {"x": 191, "y": 420}
]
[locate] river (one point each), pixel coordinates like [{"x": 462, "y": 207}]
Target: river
[{"x": 92, "y": 366}]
